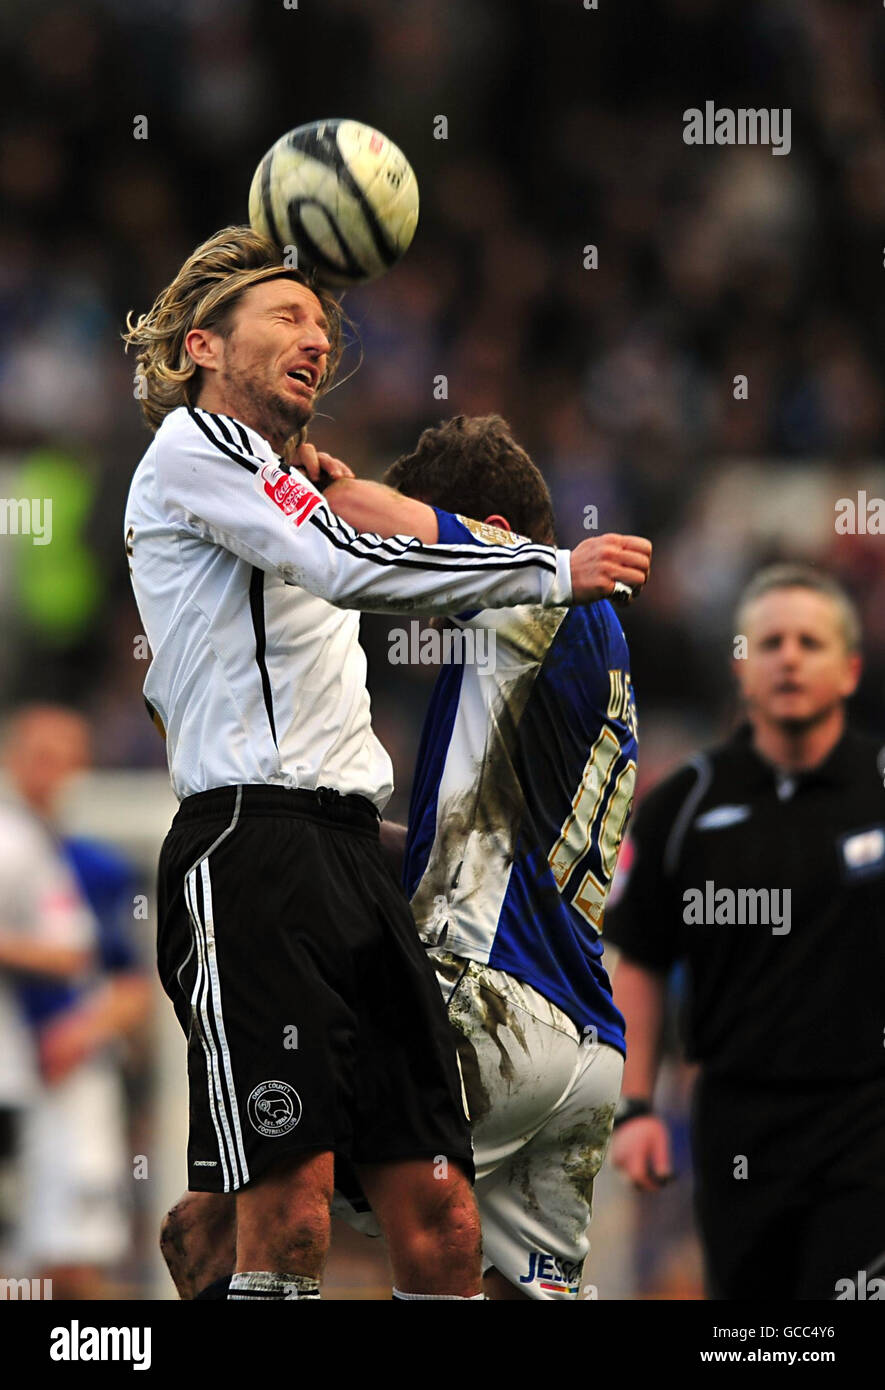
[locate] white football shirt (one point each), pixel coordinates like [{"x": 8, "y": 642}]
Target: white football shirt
[{"x": 243, "y": 577}]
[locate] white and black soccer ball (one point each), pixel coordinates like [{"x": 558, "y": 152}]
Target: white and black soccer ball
[{"x": 342, "y": 194}]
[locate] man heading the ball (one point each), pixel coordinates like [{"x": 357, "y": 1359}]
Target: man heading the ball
[{"x": 315, "y": 1030}]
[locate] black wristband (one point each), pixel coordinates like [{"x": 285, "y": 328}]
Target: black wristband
[{"x": 629, "y": 1108}]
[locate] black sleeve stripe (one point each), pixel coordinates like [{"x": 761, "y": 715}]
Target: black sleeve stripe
[
  {"x": 463, "y": 556},
  {"x": 243, "y": 435},
  {"x": 222, "y": 428},
  {"x": 370, "y": 540},
  {"x": 466, "y": 558},
  {"x": 227, "y": 425},
  {"x": 220, "y": 444},
  {"x": 524, "y": 548},
  {"x": 424, "y": 557}
]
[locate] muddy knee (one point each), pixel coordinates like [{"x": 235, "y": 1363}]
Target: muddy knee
[{"x": 197, "y": 1240}]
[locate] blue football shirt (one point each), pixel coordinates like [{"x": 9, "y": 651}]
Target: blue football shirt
[{"x": 522, "y": 791}]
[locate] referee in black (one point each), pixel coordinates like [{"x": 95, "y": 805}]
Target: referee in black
[{"x": 761, "y": 865}]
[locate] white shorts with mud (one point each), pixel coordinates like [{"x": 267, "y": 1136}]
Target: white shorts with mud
[{"x": 541, "y": 1101}]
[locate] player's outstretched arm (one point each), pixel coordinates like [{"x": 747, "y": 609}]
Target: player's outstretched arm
[
  {"x": 219, "y": 490},
  {"x": 598, "y": 565}
]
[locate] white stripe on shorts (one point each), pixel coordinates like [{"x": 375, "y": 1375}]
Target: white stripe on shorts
[
  {"x": 198, "y": 999},
  {"x": 207, "y": 987},
  {"x": 209, "y": 927}
]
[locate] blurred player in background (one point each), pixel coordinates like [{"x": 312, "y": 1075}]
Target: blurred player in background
[
  {"x": 784, "y": 1005},
  {"x": 276, "y": 909},
  {"x": 47, "y": 931},
  {"x": 75, "y": 1223},
  {"x": 72, "y": 1221}
]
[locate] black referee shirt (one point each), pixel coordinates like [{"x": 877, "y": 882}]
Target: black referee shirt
[{"x": 763, "y": 1001}]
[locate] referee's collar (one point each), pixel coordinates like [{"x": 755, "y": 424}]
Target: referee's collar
[{"x": 838, "y": 769}]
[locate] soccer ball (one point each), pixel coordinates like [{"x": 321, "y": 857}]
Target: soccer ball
[{"x": 342, "y": 195}]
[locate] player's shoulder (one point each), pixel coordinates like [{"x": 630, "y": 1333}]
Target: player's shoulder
[
  {"x": 572, "y": 644},
  {"x": 192, "y": 435}
]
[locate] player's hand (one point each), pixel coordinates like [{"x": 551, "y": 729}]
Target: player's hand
[
  {"x": 640, "y": 1149},
  {"x": 333, "y": 468},
  {"x": 320, "y": 467},
  {"x": 602, "y": 563}
]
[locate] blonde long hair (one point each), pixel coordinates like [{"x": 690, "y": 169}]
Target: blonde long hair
[{"x": 203, "y": 295}]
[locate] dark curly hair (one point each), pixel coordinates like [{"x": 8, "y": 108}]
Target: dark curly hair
[{"x": 472, "y": 465}]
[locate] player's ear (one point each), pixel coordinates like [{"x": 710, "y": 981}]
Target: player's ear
[
  {"x": 500, "y": 521},
  {"x": 205, "y": 347}
]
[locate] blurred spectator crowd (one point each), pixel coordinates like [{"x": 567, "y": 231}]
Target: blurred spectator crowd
[{"x": 564, "y": 131}]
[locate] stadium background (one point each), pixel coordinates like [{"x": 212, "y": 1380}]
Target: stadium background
[{"x": 564, "y": 129}]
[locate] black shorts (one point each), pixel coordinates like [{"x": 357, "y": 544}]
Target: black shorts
[{"x": 312, "y": 1015}]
